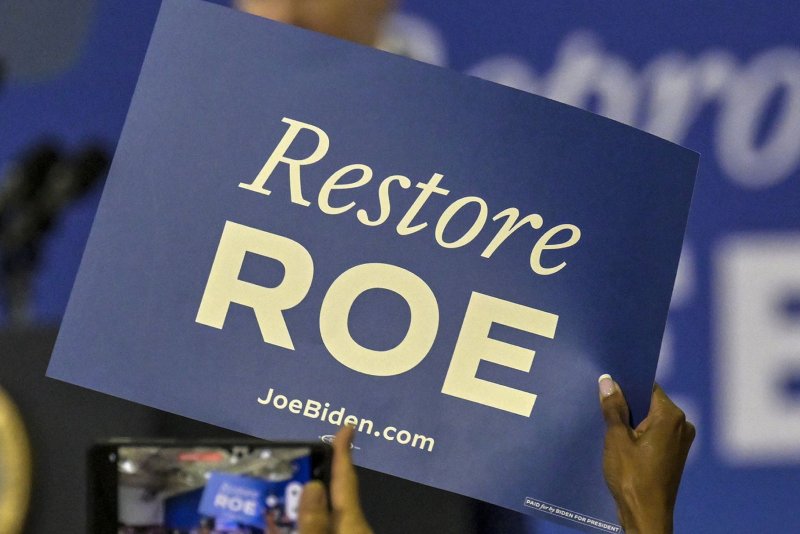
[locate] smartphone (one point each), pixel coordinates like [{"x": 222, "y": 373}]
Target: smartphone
[{"x": 200, "y": 487}]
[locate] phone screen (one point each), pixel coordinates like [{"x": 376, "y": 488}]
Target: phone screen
[{"x": 203, "y": 489}]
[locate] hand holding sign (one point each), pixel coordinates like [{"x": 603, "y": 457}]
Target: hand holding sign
[
  {"x": 643, "y": 466},
  {"x": 345, "y": 516},
  {"x": 643, "y": 469}
]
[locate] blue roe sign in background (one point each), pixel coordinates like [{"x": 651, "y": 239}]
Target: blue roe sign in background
[{"x": 721, "y": 80}]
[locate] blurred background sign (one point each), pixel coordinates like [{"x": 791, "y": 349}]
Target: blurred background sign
[
  {"x": 720, "y": 78},
  {"x": 38, "y": 43}
]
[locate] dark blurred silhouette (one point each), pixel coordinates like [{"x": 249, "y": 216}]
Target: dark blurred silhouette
[{"x": 34, "y": 192}]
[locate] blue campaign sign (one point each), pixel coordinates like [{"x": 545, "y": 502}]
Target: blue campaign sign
[
  {"x": 235, "y": 499},
  {"x": 299, "y": 232}
]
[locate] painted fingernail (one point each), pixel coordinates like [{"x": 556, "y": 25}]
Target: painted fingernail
[{"x": 607, "y": 386}]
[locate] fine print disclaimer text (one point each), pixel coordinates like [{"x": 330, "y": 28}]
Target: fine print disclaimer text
[{"x": 572, "y": 516}]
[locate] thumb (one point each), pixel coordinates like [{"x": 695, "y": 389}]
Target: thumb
[
  {"x": 313, "y": 516},
  {"x": 613, "y": 403}
]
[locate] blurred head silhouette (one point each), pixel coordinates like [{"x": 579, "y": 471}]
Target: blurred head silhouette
[{"x": 354, "y": 20}]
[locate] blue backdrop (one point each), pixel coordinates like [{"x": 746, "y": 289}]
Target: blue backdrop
[{"x": 722, "y": 79}]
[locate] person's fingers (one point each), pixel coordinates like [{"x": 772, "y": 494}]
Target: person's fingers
[
  {"x": 612, "y": 403},
  {"x": 660, "y": 405},
  {"x": 660, "y": 402},
  {"x": 691, "y": 432},
  {"x": 667, "y": 418},
  {"x": 344, "y": 483},
  {"x": 313, "y": 516},
  {"x": 642, "y": 427}
]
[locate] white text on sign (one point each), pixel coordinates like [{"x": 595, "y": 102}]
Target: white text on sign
[
  {"x": 409, "y": 223},
  {"x": 472, "y": 346}
]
